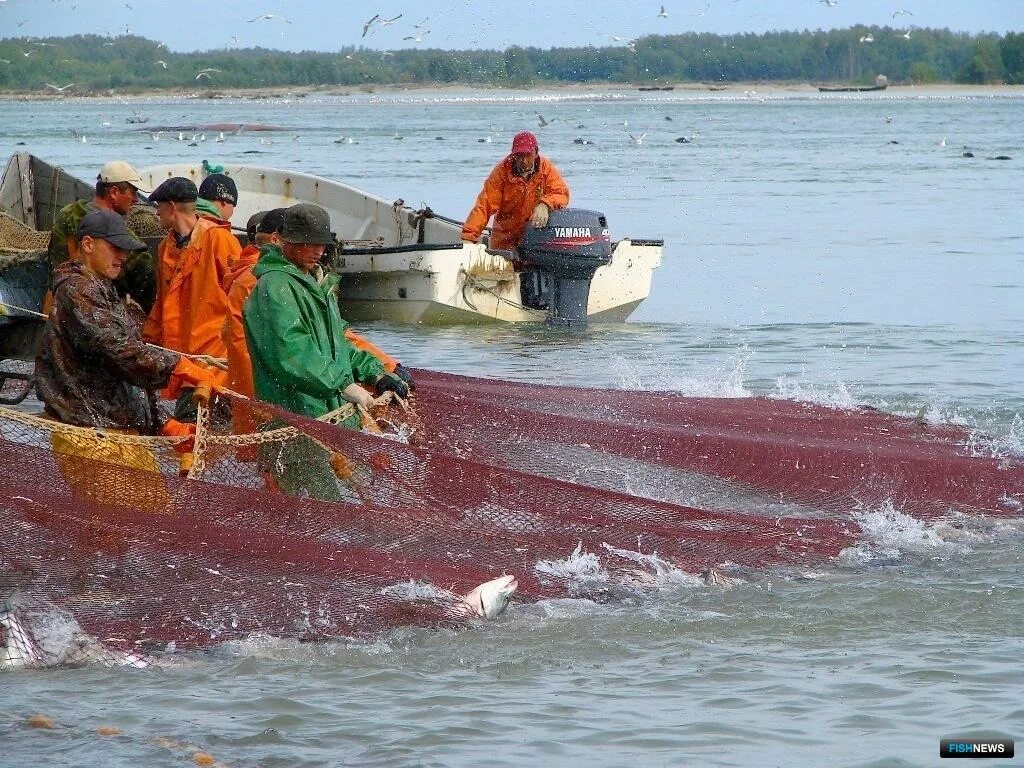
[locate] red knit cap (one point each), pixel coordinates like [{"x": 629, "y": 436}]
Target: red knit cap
[{"x": 523, "y": 142}]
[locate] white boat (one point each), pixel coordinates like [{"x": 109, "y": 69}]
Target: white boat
[{"x": 411, "y": 266}]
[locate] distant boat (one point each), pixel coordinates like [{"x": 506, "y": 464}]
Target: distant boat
[
  {"x": 881, "y": 83},
  {"x": 850, "y": 88},
  {"x": 656, "y": 88}
]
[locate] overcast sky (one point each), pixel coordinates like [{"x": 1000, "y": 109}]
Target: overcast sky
[{"x": 325, "y": 25}]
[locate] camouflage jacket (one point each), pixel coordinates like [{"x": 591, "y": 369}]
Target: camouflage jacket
[
  {"x": 93, "y": 369},
  {"x": 137, "y": 279}
]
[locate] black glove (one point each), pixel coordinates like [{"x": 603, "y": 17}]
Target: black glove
[
  {"x": 388, "y": 382},
  {"x": 405, "y": 375}
]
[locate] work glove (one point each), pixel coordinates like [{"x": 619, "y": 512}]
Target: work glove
[
  {"x": 175, "y": 428},
  {"x": 191, "y": 374},
  {"x": 539, "y": 218},
  {"x": 405, "y": 375},
  {"x": 354, "y": 393},
  {"x": 389, "y": 382}
]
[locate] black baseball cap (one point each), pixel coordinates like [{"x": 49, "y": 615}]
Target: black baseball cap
[
  {"x": 307, "y": 223},
  {"x": 253, "y": 223},
  {"x": 272, "y": 221},
  {"x": 217, "y": 186},
  {"x": 109, "y": 226},
  {"x": 176, "y": 189}
]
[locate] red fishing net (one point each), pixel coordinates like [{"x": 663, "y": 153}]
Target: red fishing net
[{"x": 306, "y": 529}]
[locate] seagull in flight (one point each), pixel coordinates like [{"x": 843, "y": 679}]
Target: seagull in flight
[
  {"x": 385, "y": 22},
  {"x": 417, "y": 26},
  {"x": 829, "y": 3},
  {"x": 370, "y": 23},
  {"x": 540, "y": 119},
  {"x": 637, "y": 139},
  {"x": 268, "y": 17},
  {"x": 59, "y": 89},
  {"x": 906, "y": 35},
  {"x": 663, "y": 14},
  {"x": 867, "y": 39},
  {"x": 161, "y": 63},
  {"x": 206, "y": 73},
  {"x": 418, "y": 38},
  {"x": 902, "y": 13}
]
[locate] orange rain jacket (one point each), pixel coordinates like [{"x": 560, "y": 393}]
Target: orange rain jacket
[
  {"x": 190, "y": 302},
  {"x": 238, "y": 285},
  {"x": 511, "y": 199}
]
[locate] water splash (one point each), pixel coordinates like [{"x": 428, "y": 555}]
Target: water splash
[
  {"x": 580, "y": 567},
  {"x": 725, "y": 379},
  {"x": 889, "y": 535}
]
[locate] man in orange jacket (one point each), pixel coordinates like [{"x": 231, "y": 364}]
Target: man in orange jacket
[
  {"x": 192, "y": 262},
  {"x": 524, "y": 187}
]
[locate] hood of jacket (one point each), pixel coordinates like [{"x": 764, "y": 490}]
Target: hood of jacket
[
  {"x": 245, "y": 262},
  {"x": 272, "y": 259}
]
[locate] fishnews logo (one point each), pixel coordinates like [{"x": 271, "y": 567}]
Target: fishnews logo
[{"x": 976, "y": 748}]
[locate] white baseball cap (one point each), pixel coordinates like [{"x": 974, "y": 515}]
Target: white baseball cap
[{"x": 117, "y": 171}]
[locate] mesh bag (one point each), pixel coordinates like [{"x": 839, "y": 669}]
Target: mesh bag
[
  {"x": 143, "y": 222},
  {"x": 19, "y": 243},
  {"x": 301, "y": 528}
]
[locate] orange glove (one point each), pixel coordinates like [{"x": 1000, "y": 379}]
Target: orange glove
[
  {"x": 175, "y": 428},
  {"x": 190, "y": 374}
]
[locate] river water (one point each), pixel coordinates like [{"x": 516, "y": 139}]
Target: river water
[{"x": 838, "y": 249}]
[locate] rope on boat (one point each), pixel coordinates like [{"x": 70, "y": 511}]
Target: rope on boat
[{"x": 471, "y": 280}]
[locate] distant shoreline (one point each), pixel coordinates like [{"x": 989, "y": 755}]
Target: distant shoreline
[{"x": 766, "y": 88}]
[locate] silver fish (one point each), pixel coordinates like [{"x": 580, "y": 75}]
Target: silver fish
[
  {"x": 490, "y": 599},
  {"x": 18, "y": 649},
  {"x": 715, "y": 578}
]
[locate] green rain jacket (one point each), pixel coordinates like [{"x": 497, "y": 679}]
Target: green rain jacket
[{"x": 301, "y": 359}]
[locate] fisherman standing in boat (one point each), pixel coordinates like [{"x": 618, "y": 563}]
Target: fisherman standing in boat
[
  {"x": 117, "y": 188},
  {"x": 523, "y": 188},
  {"x": 93, "y": 368},
  {"x": 301, "y": 359},
  {"x": 191, "y": 304}
]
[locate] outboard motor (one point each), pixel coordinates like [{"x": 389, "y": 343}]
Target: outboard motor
[{"x": 562, "y": 259}]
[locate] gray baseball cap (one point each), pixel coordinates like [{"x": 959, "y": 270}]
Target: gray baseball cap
[
  {"x": 307, "y": 223},
  {"x": 110, "y": 227}
]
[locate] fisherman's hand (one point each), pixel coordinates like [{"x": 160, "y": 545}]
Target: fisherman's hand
[
  {"x": 389, "y": 382},
  {"x": 354, "y": 393},
  {"x": 191, "y": 374},
  {"x": 405, "y": 375},
  {"x": 540, "y": 215},
  {"x": 175, "y": 428}
]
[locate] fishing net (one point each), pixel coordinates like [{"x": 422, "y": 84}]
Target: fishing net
[
  {"x": 302, "y": 528},
  {"x": 143, "y": 222},
  {"x": 19, "y": 243}
]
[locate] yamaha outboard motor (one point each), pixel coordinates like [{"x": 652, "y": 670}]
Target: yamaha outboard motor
[{"x": 562, "y": 259}]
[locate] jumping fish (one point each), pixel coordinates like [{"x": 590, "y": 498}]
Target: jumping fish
[{"x": 490, "y": 599}]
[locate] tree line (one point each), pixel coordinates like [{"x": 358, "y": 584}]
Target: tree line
[{"x": 855, "y": 55}]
